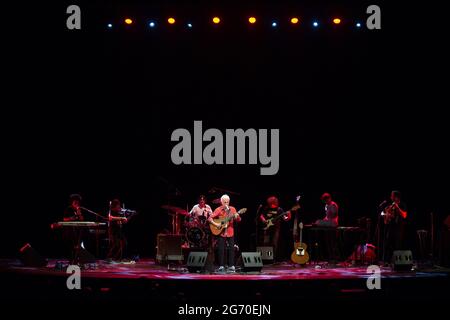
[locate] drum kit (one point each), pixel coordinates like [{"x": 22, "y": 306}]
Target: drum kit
[{"x": 194, "y": 229}]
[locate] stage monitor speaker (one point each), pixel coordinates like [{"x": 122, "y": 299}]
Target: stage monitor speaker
[
  {"x": 169, "y": 247},
  {"x": 252, "y": 261},
  {"x": 266, "y": 253},
  {"x": 30, "y": 257},
  {"x": 403, "y": 260},
  {"x": 196, "y": 261}
]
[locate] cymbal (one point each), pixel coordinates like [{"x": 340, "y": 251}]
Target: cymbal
[
  {"x": 176, "y": 210},
  {"x": 215, "y": 190}
]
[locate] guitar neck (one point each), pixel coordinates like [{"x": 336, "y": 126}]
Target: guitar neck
[
  {"x": 294, "y": 231},
  {"x": 301, "y": 234},
  {"x": 280, "y": 216},
  {"x": 230, "y": 216},
  {"x": 228, "y": 219}
]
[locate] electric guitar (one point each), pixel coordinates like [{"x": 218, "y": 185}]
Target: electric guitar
[
  {"x": 270, "y": 222},
  {"x": 224, "y": 221},
  {"x": 300, "y": 256}
]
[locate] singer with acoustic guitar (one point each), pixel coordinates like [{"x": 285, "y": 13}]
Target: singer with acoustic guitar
[{"x": 222, "y": 225}]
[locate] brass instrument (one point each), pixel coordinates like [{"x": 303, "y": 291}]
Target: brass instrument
[{"x": 390, "y": 213}]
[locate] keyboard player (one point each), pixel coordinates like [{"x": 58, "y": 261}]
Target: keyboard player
[
  {"x": 73, "y": 211},
  {"x": 73, "y": 237}
]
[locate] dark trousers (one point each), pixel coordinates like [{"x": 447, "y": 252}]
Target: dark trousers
[
  {"x": 117, "y": 243},
  {"x": 228, "y": 243},
  {"x": 395, "y": 239}
]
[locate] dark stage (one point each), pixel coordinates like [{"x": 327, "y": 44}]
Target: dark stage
[{"x": 305, "y": 106}]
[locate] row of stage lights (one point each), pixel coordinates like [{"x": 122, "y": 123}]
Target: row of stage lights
[{"x": 251, "y": 20}]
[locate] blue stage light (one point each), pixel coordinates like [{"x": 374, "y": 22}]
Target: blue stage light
[
  {"x": 315, "y": 24},
  {"x": 189, "y": 25},
  {"x": 274, "y": 24},
  {"x": 109, "y": 25},
  {"x": 152, "y": 24},
  {"x": 358, "y": 25}
]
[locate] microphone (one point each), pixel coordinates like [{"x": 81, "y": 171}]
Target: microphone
[
  {"x": 128, "y": 211},
  {"x": 382, "y": 204}
]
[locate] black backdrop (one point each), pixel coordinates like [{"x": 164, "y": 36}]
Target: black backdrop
[{"x": 92, "y": 111}]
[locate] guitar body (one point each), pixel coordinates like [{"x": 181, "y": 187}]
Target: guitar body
[
  {"x": 218, "y": 230},
  {"x": 269, "y": 223},
  {"x": 300, "y": 255},
  {"x": 223, "y": 221}
]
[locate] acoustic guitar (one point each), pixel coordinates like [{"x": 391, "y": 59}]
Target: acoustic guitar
[
  {"x": 224, "y": 221},
  {"x": 300, "y": 255}
]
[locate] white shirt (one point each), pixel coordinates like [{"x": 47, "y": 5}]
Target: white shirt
[{"x": 196, "y": 211}]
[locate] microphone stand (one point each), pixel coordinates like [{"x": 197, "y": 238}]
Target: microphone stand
[
  {"x": 94, "y": 213},
  {"x": 257, "y": 224},
  {"x": 381, "y": 240},
  {"x": 432, "y": 238}
]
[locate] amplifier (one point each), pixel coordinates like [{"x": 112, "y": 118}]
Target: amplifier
[{"x": 169, "y": 247}]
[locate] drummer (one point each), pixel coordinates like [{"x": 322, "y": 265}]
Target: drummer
[{"x": 201, "y": 211}]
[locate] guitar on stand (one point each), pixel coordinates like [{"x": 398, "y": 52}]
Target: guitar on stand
[{"x": 299, "y": 255}]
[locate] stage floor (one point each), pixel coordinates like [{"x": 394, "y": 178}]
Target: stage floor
[
  {"x": 147, "y": 282},
  {"x": 148, "y": 269}
]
